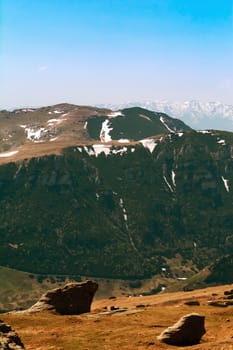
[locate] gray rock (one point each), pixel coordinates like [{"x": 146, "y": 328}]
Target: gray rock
[
  {"x": 72, "y": 299},
  {"x": 187, "y": 331},
  {"x": 9, "y": 339}
]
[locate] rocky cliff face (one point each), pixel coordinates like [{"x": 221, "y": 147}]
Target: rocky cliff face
[{"x": 120, "y": 211}]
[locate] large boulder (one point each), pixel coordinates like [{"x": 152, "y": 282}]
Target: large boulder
[
  {"x": 72, "y": 299},
  {"x": 187, "y": 331},
  {"x": 9, "y": 339}
]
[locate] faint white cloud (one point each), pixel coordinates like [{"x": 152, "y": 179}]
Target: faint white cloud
[{"x": 43, "y": 68}]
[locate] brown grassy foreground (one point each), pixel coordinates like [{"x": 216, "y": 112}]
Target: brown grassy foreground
[{"x": 136, "y": 329}]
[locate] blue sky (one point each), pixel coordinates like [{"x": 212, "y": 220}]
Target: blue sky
[{"x": 112, "y": 51}]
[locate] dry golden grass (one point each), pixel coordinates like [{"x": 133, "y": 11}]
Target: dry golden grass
[{"x": 136, "y": 330}]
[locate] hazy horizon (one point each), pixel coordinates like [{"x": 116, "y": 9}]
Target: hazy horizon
[{"x": 98, "y": 52}]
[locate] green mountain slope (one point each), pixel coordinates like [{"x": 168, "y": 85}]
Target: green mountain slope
[
  {"x": 120, "y": 212},
  {"x": 135, "y": 124}
]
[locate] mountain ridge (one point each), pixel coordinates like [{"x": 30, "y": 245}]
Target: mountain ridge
[
  {"x": 197, "y": 114},
  {"x": 64, "y": 124}
]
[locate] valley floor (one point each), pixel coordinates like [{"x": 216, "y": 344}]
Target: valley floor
[{"x": 135, "y": 328}]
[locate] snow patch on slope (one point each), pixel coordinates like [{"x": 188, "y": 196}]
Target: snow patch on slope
[
  {"x": 35, "y": 134},
  {"x": 166, "y": 126},
  {"x": 57, "y": 121},
  {"x": 124, "y": 211},
  {"x": 222, "y": 142},
  {"x": 204, "y": 131},
  {"x": 90, "y": 151},
  {"x": 174, "y": 178},
  {"x": 119, "y": 151},
  {"x": 8, "y": 154},
  {"x": 123, "y": 141},
  {"x": 226, "y": 184},
  {"x": 105, "y": 131},
  {"x": 150, "y": 144},
  {"x": 115, "y": 114},
  {"x": 58, "y": 111},
  {"x": 97, "y": 149},
  {"x": 167, "y": 183}
]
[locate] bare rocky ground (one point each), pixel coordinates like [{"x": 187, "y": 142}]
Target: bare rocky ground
[{"x": 130, "y": 323}]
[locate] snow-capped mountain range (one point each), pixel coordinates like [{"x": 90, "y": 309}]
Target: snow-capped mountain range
[{"x": 198, "y": 115}]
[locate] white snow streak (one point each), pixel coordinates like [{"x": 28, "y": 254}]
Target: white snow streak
[
  {"x": 149, "y": 144},
  {"x": 104, "y": 133},
  {"x": 8, "y": 154},
  {"x": 54, "y": 121},
  {"x": 166, "y": 126},
  {"x": 54, "y": 139},
  {"x": 222, "y": 142},
  {"x": 125, "y": 216},
  {"x": 25, "y": 110},
  {"x": 226, "y": 184},
  {"x": 123, "y": 141},
  {"x": 174, "y": 178},
  {"x": 204, "y": 131},
  {"x": 58, "y": 112},
  {"x": 145, "y": 117},
  {"x": 115, "y": 114},
  {"x": 169, "y": 186},
  {"x": 121, "y": 203}
]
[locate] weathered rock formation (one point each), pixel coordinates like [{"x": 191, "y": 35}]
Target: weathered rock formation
[
  {"x": 187, "y": 331},
  {"x": 9, "y": 339},
  {"x": 72, "y": 299}
]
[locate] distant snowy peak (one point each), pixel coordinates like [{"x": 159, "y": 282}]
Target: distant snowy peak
[{"x": 199, "y": 115}]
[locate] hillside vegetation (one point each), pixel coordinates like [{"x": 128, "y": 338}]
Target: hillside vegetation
[
  {"x": 122, "y": 213},
  {"x": 130, "y": 195}
]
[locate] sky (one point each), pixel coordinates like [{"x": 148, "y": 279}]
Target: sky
[{"x": 113, "y": 51}]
